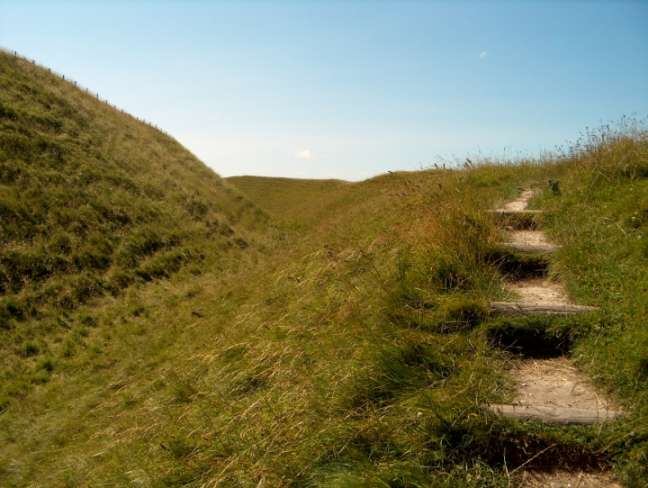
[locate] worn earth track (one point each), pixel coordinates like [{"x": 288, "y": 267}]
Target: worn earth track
[{"x": 550, "y": 391}]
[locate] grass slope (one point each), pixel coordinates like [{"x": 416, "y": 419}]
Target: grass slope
[
  {"x": 281, "y": 372},
  {"x": 91, "y": 202},
  {"x": 353, "y": 348},
  {"x": 293, "y": 201}
]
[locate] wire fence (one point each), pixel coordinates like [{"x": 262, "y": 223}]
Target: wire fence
[{"x": 82, "y": 88}]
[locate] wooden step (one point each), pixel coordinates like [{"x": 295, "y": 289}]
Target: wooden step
[
  {"x": 553, "y": 414},
  {"x": 515, "y": 213},
  {"x": 517, "y": 308},
  {"x": 531, "y": 248}
]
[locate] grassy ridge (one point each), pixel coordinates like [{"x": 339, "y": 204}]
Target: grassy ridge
[
  {"x": 351, "y": 348},
  {"x": 92, "y": 202}
]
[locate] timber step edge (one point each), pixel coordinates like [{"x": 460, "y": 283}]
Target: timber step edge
[
  {"x": 517, "y": 308},
  {"x": 554, "y": 414},
  {"x": 531, "y": 248},
  {"x": 504, "y": 212}
]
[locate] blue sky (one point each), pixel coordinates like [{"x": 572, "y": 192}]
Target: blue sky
[{"x": 348, "y": 89}]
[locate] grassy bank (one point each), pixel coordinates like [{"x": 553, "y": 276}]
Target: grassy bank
[
  {"x": 600, "y": 216},
  {"x": 93, "y": 202}
]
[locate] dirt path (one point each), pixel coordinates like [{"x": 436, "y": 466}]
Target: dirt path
[
  {"x": 519, "y": 204},
  {"x": 530, "y": 241},
  {"x": 556, "y": 382},
  {"x": 538, "y": 292},
  {"x": 565, "y": 479},
  {"x": 548, "y": 390}
]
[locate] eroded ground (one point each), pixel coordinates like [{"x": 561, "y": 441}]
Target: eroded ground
[
  {"x": 566, "y": 479},
  {"x": 556, "y": 382}
]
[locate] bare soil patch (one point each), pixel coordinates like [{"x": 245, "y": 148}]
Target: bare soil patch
[
  {"x": 519, "y": 204},
  {"x": 566, "y": 479},
  {"x": 538, "y": 292},
  {"x": 529, "y": 238},
  {"x": 556, "y": 382}
]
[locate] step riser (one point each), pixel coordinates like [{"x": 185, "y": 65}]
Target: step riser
[{"x": 522, "y": 220}]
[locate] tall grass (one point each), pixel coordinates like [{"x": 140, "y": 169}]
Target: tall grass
[
  {"x": 93, "y": 202},
  {"x": 601, "y": 219}
]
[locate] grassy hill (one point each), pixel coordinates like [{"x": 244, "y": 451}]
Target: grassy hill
[
  {"x": 297, "y": 201},
  {"x": 92, "y": 202},
  {"x": 335, "y": 336}
]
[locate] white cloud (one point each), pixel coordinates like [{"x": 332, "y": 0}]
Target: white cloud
[
  {"x": 483, "y": 54},
  {"x": 304, "y": 154}
]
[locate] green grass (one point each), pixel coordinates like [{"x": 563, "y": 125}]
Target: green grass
[
  {"x": 601, "y": 219},
  {"x": 296, "y": 202},
  {"x": 93, "y": 202},
  {"x": 343, "y": 342}
]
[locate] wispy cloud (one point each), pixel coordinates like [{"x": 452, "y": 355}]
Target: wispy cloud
[
  {"x": 483, "y": 55},
  {"x": 304, "y": 154}
]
